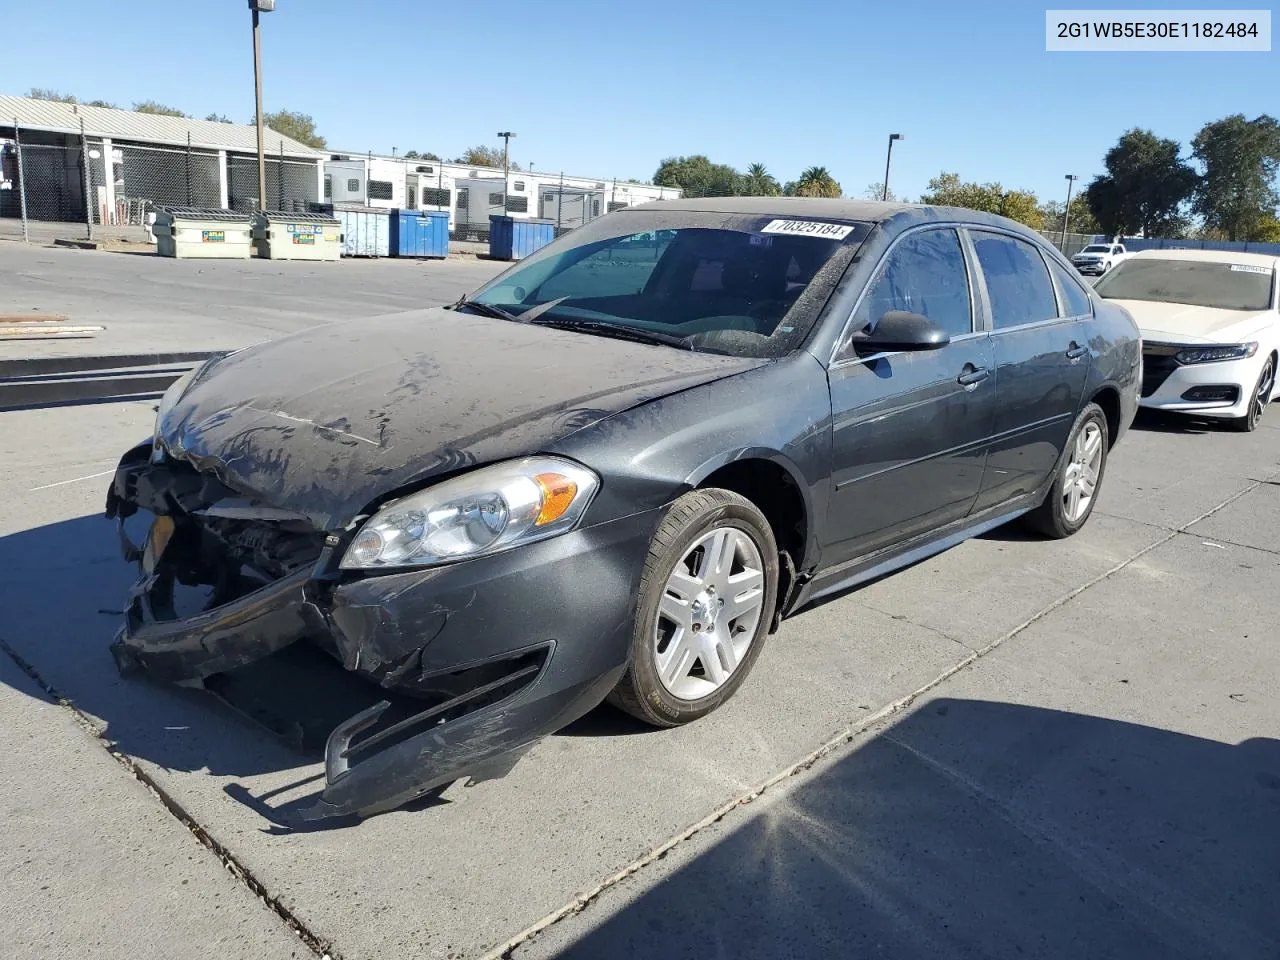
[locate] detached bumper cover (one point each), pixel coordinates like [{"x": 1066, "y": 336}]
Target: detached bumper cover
[{"x": 502, "y": 650}]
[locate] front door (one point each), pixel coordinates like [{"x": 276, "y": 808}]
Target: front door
[
  {"x": 910, "y": 429},
  {"x": 1042, "y": 357}
]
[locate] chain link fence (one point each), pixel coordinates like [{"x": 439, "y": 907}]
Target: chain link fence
[{"x": 69, "y": 186}]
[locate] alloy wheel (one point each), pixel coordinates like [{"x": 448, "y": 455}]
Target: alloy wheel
[
  {"x": 709, "y": 611},
  {"x": 1080, "y": 480}
]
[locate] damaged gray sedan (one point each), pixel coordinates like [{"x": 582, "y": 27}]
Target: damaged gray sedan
[{"x": 612, "y": 470}]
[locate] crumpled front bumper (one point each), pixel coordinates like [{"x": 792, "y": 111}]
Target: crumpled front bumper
[{"x": 502, "y": 650}]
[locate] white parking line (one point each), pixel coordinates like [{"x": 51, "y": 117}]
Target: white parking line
[{"x": 63, "y": 483}]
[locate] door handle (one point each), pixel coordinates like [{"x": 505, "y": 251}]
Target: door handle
[
  {"x": 1075, "y": 351},
  {"x": 972, "y": 376}
]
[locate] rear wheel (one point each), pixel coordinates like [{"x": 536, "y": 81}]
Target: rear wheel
[
  {"x": 1261, "y": 397},
  {"x": 1075, "y": 488},
  {"x": 706, "y": 602}
]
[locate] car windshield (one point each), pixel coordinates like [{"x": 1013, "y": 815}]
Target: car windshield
[
  {"x": 1198, "y": 283},
  {"x": 739, "y": 284},
  {"x": 1096, "y": 248}
]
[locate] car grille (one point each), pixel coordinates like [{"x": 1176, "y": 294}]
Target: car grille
[{"x": 1157, "y": 364}]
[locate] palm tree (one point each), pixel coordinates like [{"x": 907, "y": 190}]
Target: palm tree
[
  {"x": 759, "y": 182},
  {"x": 817, "y": 182}
]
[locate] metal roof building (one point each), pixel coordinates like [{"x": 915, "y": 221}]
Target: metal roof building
[
  {"x": 127, "y": 164},
  {"x": 51, "y": 116}
]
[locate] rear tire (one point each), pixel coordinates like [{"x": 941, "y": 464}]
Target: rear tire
[
  {"x": 1259, "y": 399},
  {"x": 707, "y": 596},
  {"x": 1075, "y": 488}
]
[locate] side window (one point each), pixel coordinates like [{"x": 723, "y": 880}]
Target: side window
[
  {"x": 1017, "y": 280},
  {"x": 1077, "y": 303},
  {"x": 924, "y": 274}
]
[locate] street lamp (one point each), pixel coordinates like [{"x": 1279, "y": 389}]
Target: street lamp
[
  {"x": 1066, "y": 214},
  {"x": 884, "y": 193},
  {"x": 506, "y": 136},
  {"x": 260, "y": 6}
]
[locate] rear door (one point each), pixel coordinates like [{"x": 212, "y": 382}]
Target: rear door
[
  {"x": 910, "y": 430},
  {"x": 1040, "y": 325}
]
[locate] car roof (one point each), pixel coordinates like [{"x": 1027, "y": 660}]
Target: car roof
[
  {"x": 874, "y": 211},
  {"x": 1209, "y": 256}
]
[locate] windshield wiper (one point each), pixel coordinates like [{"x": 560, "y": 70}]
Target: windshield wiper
[
  {"x": 488, "y": 309},
  {"x": 617, "y": 331}
]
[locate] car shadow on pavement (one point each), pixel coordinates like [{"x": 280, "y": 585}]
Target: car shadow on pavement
[
  {"x": 1157, "y": 421},
  {"x": 974, "y": 829},
  {"x": 63, "y": 590}
]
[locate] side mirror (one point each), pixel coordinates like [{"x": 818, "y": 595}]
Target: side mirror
[{"x": 899, "y": 330}]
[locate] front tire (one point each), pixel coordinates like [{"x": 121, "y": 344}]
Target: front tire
[
  {"x": 1074, "y": 493},
  {"x": 706, "y": 602},
  {"x": 1259, "y": 400}
]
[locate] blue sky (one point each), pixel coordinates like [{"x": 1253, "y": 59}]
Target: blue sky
[{"x": 610, "y": 89}]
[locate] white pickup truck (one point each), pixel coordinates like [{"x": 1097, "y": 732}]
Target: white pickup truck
[{"x": 1099, "y": 257}]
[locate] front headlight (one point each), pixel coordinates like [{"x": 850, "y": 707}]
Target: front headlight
[
  {"x": 479, "y": 513},
  {"x": 1237, "y": 351}
]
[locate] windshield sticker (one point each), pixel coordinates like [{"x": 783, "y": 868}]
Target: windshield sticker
[
  {"x": 808, "y": 228},
  {"x": 1248, "y": 268}
]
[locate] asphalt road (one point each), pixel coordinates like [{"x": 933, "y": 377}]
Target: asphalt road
[{"x": 1017, "y": 748}]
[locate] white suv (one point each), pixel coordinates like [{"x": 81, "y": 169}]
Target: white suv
[{"x": 1099, "y": 257}]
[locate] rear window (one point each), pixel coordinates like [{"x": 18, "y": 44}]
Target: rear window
[{"x": 1197, "y": 283}]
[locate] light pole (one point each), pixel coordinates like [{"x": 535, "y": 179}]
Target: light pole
[
  {"x": 506, "y": 136},
  {"x": 1066, "y": 214},
  {"x": 884, "y": 193},
  {"x": 260, "y": 6}
]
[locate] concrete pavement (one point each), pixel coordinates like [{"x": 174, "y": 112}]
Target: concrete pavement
[{"x": 1053, "y": 748}]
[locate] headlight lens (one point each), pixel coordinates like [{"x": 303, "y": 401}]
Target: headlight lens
[
  {"x": 483, "y": 512},
  {"x": 1237, "y": 351}
]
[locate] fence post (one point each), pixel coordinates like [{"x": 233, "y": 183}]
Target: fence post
[
  {"x": 22, "y": 180},
  {"x": 88, "y": 186}
]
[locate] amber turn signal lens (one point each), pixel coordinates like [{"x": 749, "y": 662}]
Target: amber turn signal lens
[{"x": 557, "y": 495}]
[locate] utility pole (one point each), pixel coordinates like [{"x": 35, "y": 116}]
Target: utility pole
[
  {"x": 884, "y": 191},
  {"x": 259, "y": 7},
  {"x": 506, "y": 136},
  {"x": 1066, "y": 214}
]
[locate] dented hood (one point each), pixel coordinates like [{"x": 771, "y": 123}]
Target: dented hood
[{"x": 325, "y": 421}]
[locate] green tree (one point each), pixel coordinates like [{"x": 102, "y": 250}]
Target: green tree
[
  {"x": 295, "y": 126},
  {"x": 220, "y": 118},
  {"x": 875, "y": 190},
  {"x": 948, "y": 190},
  {"x": 159, "y": 109},
  {"x": 1145, "y": 188},
  {"x": 1266, "y": 230},
  {"x": 696, "y": 176},
  {"x": 415, "y": 155},
  {"x": 817, "y": 182},
  {"x": 103, "y": 103},
  {"x": 484, "y": 156},
  {"x": 1240, "y": 158},
  {"x": 759, "y": 182},
  {"x": 1081, "y": 220},
  {"x": 43, "y": 93}
]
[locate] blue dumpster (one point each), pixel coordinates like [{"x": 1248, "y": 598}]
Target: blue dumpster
[
  {"x": 366, "y": 231},
  {"x": 512, "y": 239},
  {"x": 420, "y": 233}
]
